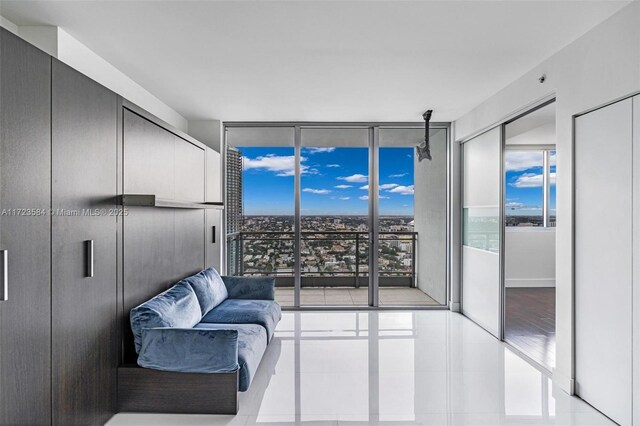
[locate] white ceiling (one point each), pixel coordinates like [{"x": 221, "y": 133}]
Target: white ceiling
[{"x": 320, "y": 61}]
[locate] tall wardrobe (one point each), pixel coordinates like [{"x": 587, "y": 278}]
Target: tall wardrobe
[
  {"x": 67, "y": 280},
  {"x": 607, "y": 259}
]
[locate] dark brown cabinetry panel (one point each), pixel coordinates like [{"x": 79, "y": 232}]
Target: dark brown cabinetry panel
[
  {"x": 25, "y": 177},
  {"x": 213, "y": 176},
  {"x": 189, "y": 242},
  {"x": 148, "y": 262},
  {"x": 84, "y": 146},
  {"x": 149, "y": 153},
  {"x": 189, "y": 171}
]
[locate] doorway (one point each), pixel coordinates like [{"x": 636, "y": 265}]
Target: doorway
[{"x": 529, "y": 234}]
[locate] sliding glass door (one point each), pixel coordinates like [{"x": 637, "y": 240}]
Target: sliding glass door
[
  {"x": 482, "y": 230},
  {"x": 334, "y": 217},
  {"x": 260, "y": 200},
  {"x": 328, "y": 210}
]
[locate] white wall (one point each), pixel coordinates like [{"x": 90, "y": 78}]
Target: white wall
[
  {"x": 430, "y": 213},
  {"x": 602, "y": 65},
  {"x": 530, "y": 257}
]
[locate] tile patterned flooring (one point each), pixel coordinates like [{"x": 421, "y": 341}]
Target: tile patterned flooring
[
  {"x": 391, "y": 368},
  {"x": 343, "y": 296}
]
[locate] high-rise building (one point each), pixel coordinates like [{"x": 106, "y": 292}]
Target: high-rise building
[
  {"x": 234, "y": 190},
  {"x": 234, "y": 208}
]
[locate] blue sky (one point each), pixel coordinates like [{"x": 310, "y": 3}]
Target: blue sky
[
  {"x": 524, "y": 190},
  {"x": 334, "y": 181}
]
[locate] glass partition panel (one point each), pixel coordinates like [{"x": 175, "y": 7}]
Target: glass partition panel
[
  {"x": 412, "y": 219},
  {"x": 334, "y": 216},
  {"x": 481, "y": 274},
  {"x": 260, "y": 205}
]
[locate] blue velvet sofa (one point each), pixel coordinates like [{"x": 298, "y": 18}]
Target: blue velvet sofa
[{"x": 207, "y": 324}]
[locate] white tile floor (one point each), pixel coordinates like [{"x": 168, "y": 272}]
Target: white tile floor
[{"x": 391, "y": 368}]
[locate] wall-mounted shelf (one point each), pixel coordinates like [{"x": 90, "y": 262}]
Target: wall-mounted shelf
[{"x": 149, "y": 200}]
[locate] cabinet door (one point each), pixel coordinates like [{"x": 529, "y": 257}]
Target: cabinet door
[
  {"x": 603, "y": 259},
  {"x": 84, "y": 141},
  {"x": 189, "y": 171},
  {"x": 25, "y": 170},
  {"x": 213, "y": 243},
  {"x": 149, "y": 152},
  {"x": 214, "y": 176}
]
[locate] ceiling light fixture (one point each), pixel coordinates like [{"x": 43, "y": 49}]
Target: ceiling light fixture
[{"x": 424, "y": 149}]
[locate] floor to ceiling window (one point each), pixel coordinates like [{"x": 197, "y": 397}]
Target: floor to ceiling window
[
  {"x": 334, "y": 216},
  {"x": 260, "y": 165},
  {"x": 332, "y": 233}
]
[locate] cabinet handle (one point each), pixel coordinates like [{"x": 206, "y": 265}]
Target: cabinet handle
[
  {"x": 213, "y": 231},
  {"x": 4, "y": 270},
  {"x": 89, "y": 257}
]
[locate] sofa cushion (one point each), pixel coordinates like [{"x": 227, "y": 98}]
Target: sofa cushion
[
  {"x": 209, "y": 289},
  {"x": 252, "y": 343},
  {"x": 176, "y": 307},
  {"x": 253, "y": 288},
  {"x": 240, "y": 311}
]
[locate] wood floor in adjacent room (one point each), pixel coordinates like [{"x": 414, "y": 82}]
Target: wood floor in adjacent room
[{"x": 530, "y": 322}]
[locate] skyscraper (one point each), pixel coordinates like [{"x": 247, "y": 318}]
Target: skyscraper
[{"x": 234, "y": 207}]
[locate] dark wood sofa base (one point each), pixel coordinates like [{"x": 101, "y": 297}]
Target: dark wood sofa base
[{"x": 153, "y": 391}]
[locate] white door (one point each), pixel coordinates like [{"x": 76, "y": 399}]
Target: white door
[
  {"x": 482, "y": 229},
  {"x": 603, "y": 259}
]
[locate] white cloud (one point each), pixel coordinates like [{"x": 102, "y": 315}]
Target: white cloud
[
  {"x": 388, "y": 185},
  {"x": 366, "y": 197},
  {"x": 383, "y": 187},
  {"x": 531, "y": 180},
  {"x": 403, "y": 190},
  {"x": 342, "y": 186},
  {"x": 399, "y": 175},
  {"x": 344, "y": 198},
  {"x": 316, "y": 150},
  {"x": 316, "y": 191},
  {"x": 357, "y": 178},
  {"x": 333, "y": 165},
  {"x": 522, "y": 160},
  {"x": 281, "y": 165}
]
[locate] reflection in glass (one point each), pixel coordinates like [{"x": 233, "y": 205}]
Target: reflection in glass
[{"x": 481, "y": 227}]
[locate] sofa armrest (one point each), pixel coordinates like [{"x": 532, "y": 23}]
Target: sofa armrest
[
  {"x": 191, "y": 350},
  {"x": 256, "y": 288}
]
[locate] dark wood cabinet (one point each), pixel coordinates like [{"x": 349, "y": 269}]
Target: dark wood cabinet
[
  {"x": 84, "y": 304},
  {"x": 68, "y": 148},
  {"x": 149, "y": 151},
  {"x": 25, "y": 170}
]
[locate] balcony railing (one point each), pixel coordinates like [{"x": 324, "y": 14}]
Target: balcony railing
[{"x": 328, "y": 259}]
